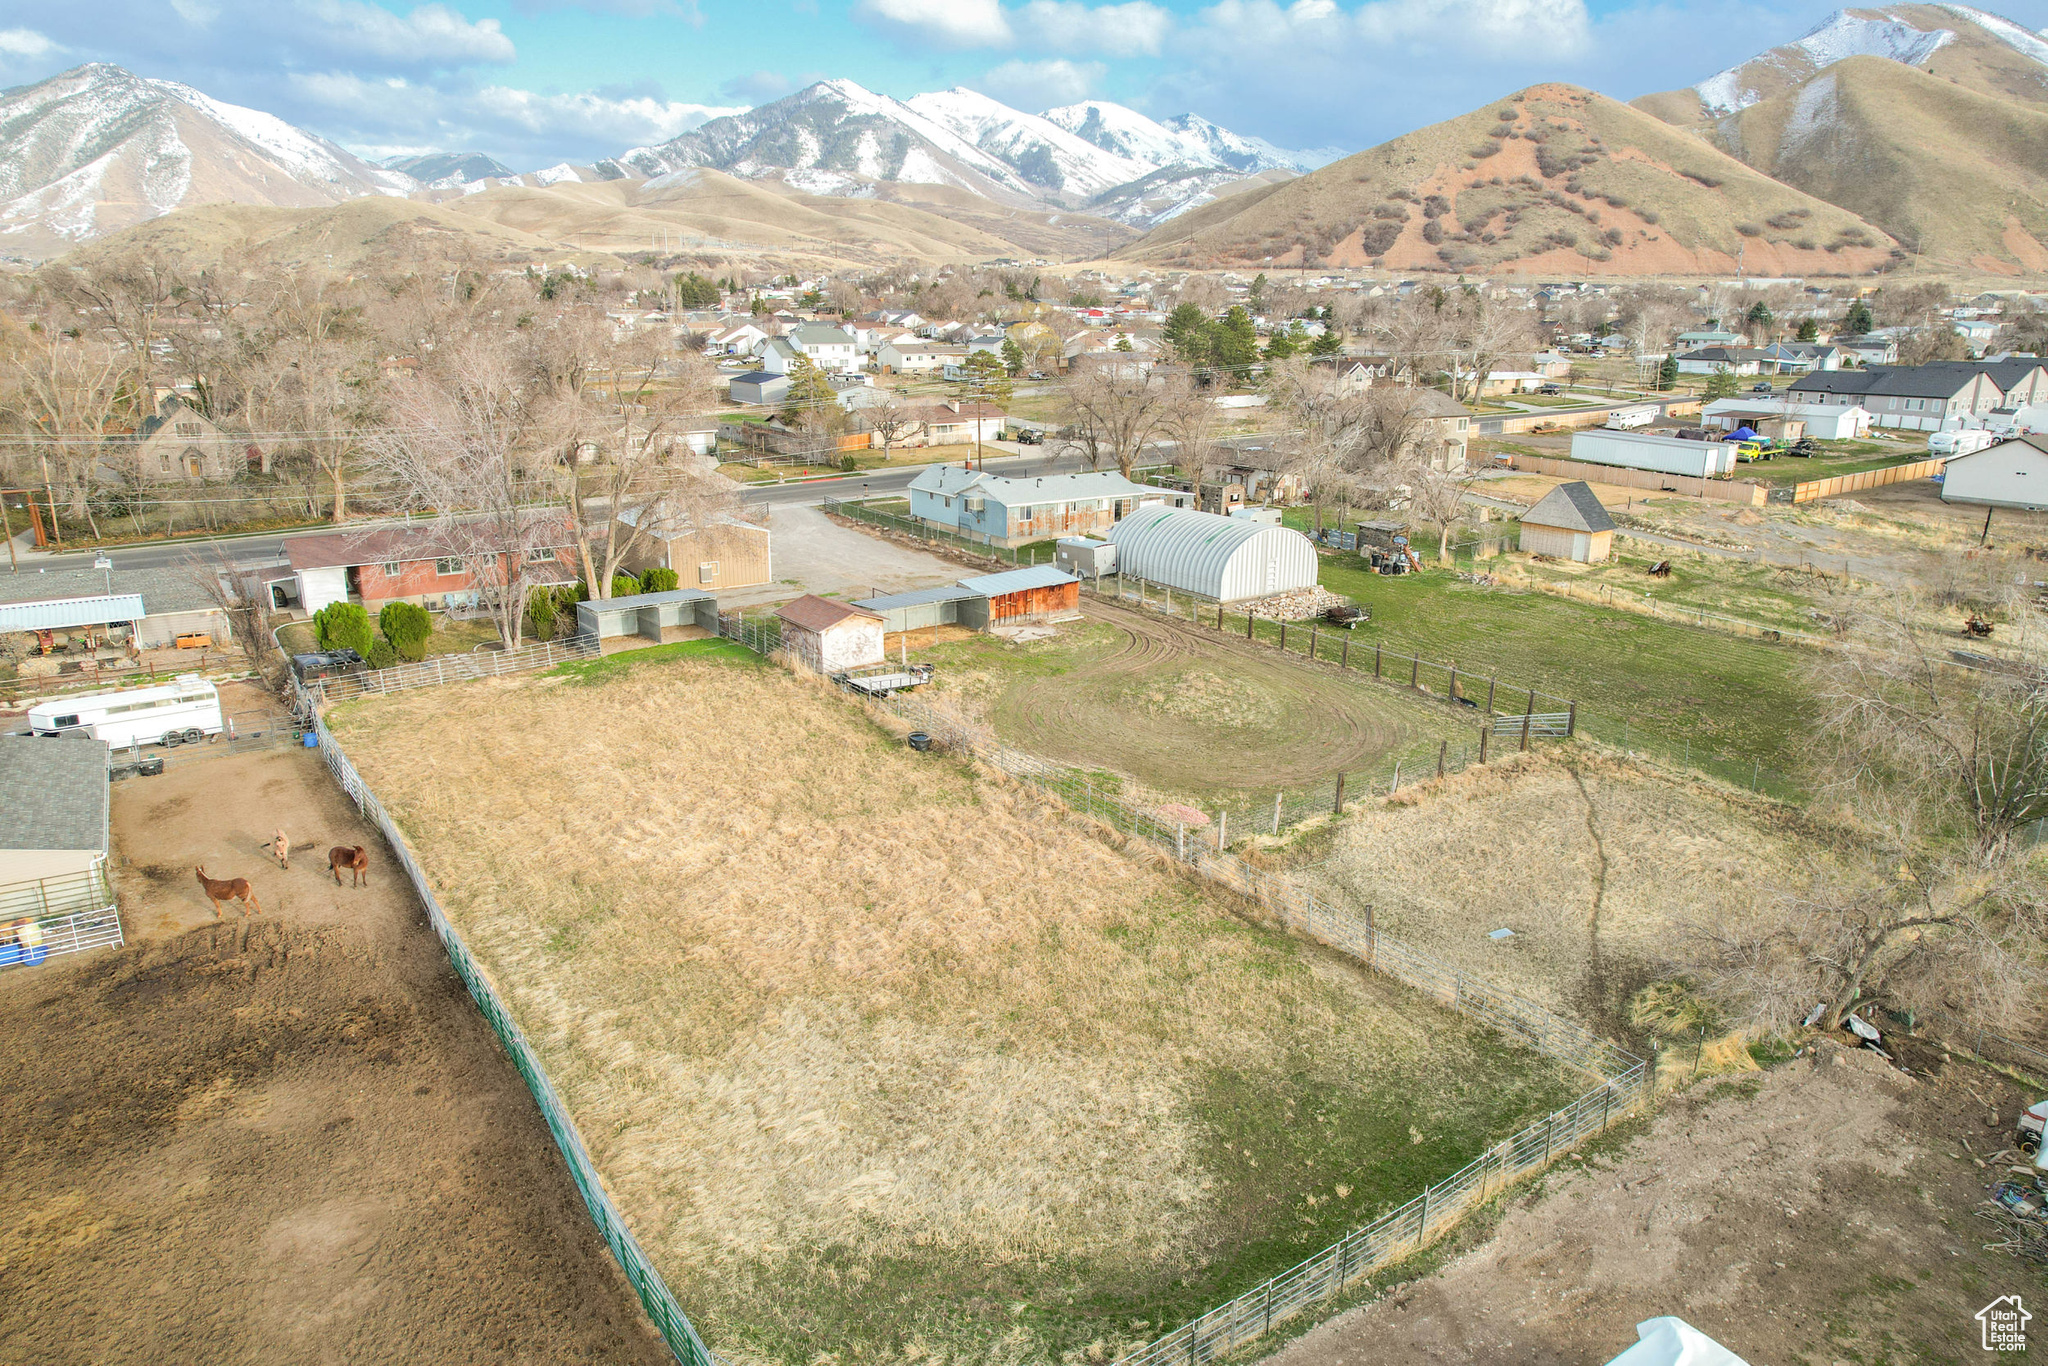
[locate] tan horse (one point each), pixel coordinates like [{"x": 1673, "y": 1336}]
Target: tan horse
[
  {"x": 222, "y": 890},
  {"x": 356, "y": 860}
]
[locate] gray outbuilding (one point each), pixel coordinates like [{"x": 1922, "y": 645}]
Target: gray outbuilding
[
  {"x": 646, "y": 614},
  {"x": 2012, "y": 474},
  {"x": 1224, "y": 559},
  {"x": 928, "y": 607}
]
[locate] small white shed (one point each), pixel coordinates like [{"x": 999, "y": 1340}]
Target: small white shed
[
  {"x": 2012, "y": 474},
  {"x": 829, "y": 636}
]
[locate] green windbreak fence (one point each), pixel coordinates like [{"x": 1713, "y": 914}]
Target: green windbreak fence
[{"x": 675, "y": 1326}]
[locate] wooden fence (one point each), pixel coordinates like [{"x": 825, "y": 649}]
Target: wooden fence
[
  {"x": 1869, "y": 479},
  {"x": 1720, "y": 490}
]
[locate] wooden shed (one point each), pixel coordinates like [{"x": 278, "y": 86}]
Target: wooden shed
[
  {"x": 1569, "y": 523},
  {"x": 829, "y": 636},
  {"x": 1027, "y": 594}
]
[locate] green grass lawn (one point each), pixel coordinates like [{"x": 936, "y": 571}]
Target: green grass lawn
[{"x": 1724, "y": 693}]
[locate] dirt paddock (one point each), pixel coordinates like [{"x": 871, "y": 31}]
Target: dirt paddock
[{"x": 289, "y": 1137}]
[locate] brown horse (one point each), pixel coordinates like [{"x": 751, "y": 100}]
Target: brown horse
[
  {"x": 222, "y": 890},
  {"x": 356, "y": 860}
]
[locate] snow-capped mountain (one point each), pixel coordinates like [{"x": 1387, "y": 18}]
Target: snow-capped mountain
[
  {"x": 445, "y": 170},
  {"x": 1909, "y": 34},
  {"x": 838, "y": 138},
  {"x": 1033, "y": 146},
  {"x": 1183, "y": 140},
  {"x": 98, "y": 148}
]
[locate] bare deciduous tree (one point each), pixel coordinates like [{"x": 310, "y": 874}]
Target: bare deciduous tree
[
  {"x": 1189, "y": 421},
  {"x": 1116, "y": 408}
]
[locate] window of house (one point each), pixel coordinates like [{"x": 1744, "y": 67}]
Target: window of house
[
  {"x": 947, "y": 501},
  {"x": 540, "y": 555},
  {"x": 448, "y": 564},
  {"x": 1913, "y": 405},
  {"x": 164, "y": 463},
  {"x": 188, "y": 429},
  {"x": 392, "y": 569}
]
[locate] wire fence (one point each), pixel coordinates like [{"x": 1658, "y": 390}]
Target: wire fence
[
  {"x": 1624, "y": 1080},
  {"x": 45, "y": 917},
  {"x": 1989, "y": 1044},
  {"x": 661, "y": 1306},
  {"x": 1484, "y": 693}
]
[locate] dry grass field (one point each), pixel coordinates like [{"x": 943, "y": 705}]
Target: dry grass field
[
  {"x": 1596, "y": 864},
  {"x": 885, "y": 1060}
]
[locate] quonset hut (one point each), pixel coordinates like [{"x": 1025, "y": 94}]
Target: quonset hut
[{"x": 1224, "y": 559}]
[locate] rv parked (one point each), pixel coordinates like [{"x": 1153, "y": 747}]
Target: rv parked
[
  {"x": 179, "y": 713},
  {"x": 1624, "y": 419},
  {"x": 1966, "y": 442}
]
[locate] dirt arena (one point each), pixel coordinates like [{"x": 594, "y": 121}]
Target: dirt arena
[{"x": 283, "y": 1138}]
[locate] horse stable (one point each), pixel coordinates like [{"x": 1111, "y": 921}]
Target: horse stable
[{"x": 1032, "y": 594}]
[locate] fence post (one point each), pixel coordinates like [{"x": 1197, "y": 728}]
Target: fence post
[
  {"x": 1443, "y": 750},
  {"x": 1312, "y": 641},
  {"x": 1222, "y": 829},
  {"x": 1532, "y": 703},
  {"x": 1414, "y": 670},
  {"x": 1376, "y": 652},
  {"x": 1526, "y": 718},
  {"x": 1248, "y": 615},
  {"x": 1491, "y": 684},
  {"x": 1276, "y": 813},
  {"x": 1571, "y": 722},
  {"x": 1485, "y": 734},
  {"x": 1283, "y": 637},
  {"x": 1344, "y": 658},
  {"x": 1338, "y": 809},
  {"x": 1453, "y": 693},
  {"x": 1395, "y": 786}
]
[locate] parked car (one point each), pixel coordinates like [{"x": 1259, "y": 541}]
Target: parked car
[
  {"x": 1550, "y": 390},
  {"x": 1030, "y": 436},
  {"x": 1763, "y": 388}
]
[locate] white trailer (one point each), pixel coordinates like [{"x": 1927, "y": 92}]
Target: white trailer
[
  {"x": 1964, "y": 442},
  {"x": 177, "y": 713},
  {"x": 1642, "y": 415},
  {"x": 1663, "y": 454}
]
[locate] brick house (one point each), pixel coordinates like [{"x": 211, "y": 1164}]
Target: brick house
[{"x": 397, "y": 565}]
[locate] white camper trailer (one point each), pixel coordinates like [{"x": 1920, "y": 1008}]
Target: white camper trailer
[{"x": 179, "y": 713}]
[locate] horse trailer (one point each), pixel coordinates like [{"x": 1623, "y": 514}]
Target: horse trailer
[{"x": 181, "y": 712}]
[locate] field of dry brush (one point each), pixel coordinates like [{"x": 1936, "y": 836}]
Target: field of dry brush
[{"x": 885, "y": 1058}]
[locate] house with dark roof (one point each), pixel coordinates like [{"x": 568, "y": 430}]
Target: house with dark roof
[
  {"x": 152, "y": 607},
  {"x": 1569, "y": 523},
  {"x": 1722, "y": 360},
  {"x": 53, "y": 807},
  {"x": 408, "y": 564},
  {"x": 1919, "y": 398},
  {"x": 178, "y": 444}
]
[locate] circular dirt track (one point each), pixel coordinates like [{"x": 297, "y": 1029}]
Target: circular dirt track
[{"x": 1188, "y": 709}]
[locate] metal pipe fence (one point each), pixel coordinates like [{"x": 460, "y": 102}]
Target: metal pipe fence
[
  {"x": 655, "y": 1297},
  {"x": 71, "y": 913},
  {"x": 925, "y": 531},
  {"x": 762, "y": 635},
  {"x": 430, "y": 673},
  {"x": 1624, "y": 1081}
]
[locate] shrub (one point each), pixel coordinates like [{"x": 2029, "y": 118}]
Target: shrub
[
  {"x": 659, "y": 579},
  {"x": 1702, "y": 178},
  {"x": 624, "y": 585},
  {"x": 1650, "y": 215},
  {"x": 343, "y": 626},
  {"x": 1612, "y": 237},
  {"x": 540, "y": 613},
  {"x": 381, "y": 655},
  {"x": 406, "y": 625},
  {"x": 1483, "y": 150},
  {"x": 1749, "y": 230},
  {"x": 1433, "y": 231}
]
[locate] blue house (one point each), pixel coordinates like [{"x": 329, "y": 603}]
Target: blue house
[{"x": 1008, "y": 512}]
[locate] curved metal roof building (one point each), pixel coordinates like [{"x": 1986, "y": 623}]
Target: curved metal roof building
[{"x": 1228, "y": 559}]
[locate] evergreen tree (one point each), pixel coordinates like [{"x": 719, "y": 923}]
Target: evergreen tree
[
  {"x": 1809, "y": 330},
  {"x": 1280, "y": 346},
  {"x": 987, "y": 379},
  {"x": 1013, "y": 356},
  {"x": 1185, "y": 328},
  {"x": 1859, "y": 320},
  {"x": 1258, "y": 292},
  {"x": 1721, "y": 384},
  {"x": 1331, "y": 343},
  {"x": 809, "y": 391},
  {"x": 1761, "y": 318},
  {"x": 1667, "y": 373}
]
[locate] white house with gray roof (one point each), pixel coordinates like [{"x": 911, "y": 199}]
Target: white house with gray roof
[
  {"x": 830, "y": 348},
  {"x": 1001, "y": 511}
]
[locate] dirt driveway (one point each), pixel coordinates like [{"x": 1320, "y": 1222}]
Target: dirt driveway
[
  {"x": 287, "y": 1138},
  {"x": 814, "y": 554},
  {"x": 1820, "y": 1213}
]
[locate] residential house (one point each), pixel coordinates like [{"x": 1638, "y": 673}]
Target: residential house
[
  {"x": 409, "y": 565},
  {"x": 1134, "y": 349},
  {"x": 917, "y": 358},
  {"x": 1780, "y": 417},
  {"x": 1500, "y": 383},
  {"x": 178, "y": 444},
  {"x": 761, "y": 388},
  {"x": 726, "y": 554},
  {"x": 1002, "y": 511},
  {"x": 991, "y": 342},
  {"x": 831, "y": 349},
  {"x": 778, "y": 355},
  {"x": 952, "y": 423},
  {"x": 1721, "y": 360},
  {"x": 829, "y": 636},
  {"x": 740, "y": 339},
  {"x": 1442, "y": 439},
  {"x": 1977, "y": 333},
  {"x": 1926, "y": 398},
  {"x": 1710, "y": 336},
  {"x": 1870, "y": 350},
  {"x": 1800, "y": 358}
]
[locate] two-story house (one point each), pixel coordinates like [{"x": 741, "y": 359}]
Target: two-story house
[
  {"x": 1920, "y": 398},
  {"x": 1007, "y": 512},
  {"x": 178, "y": 444},
  {"x": 831, "y": 349}
]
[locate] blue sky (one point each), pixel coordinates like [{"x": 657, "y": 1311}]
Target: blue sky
[{"x": 534, "y": 82}]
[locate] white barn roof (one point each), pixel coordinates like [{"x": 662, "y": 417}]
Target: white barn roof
[{"x": 1225, "y": 558}]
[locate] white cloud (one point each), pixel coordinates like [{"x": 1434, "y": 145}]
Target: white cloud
[
  {"x": 1043, "y": 85},
  {"x": 627, "y": 122},
  {"x": 945, "y": 23},
  {"x": 25, "y": 42},
  {"x": 431, "y": 33},
  {"x": 1133, "y": 29}
]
